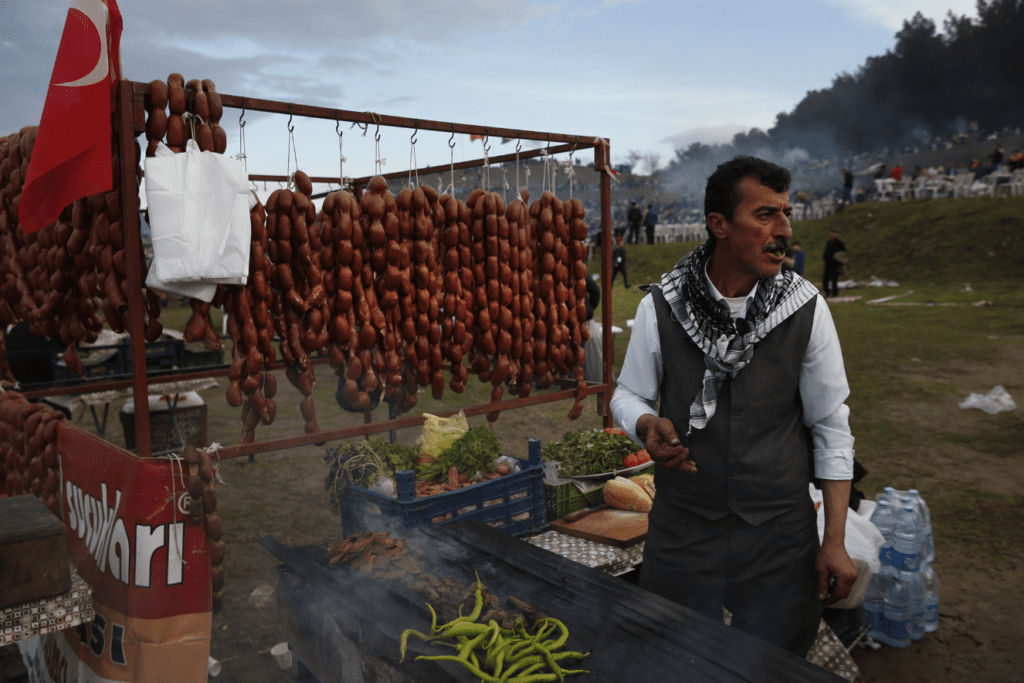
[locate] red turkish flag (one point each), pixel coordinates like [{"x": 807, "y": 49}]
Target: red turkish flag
[{"x": 71, "y": 156}]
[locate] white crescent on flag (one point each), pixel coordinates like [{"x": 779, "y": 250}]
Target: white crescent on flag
[{"x": 96, "y": 12}]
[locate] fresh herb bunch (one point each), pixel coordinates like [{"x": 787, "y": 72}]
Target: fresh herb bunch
[
  {"x": 362, "y": 463},
  {"x": 475, "y": 451},
  {"x": 400, "y": 457},
  {"x": 589, "y": 452}
]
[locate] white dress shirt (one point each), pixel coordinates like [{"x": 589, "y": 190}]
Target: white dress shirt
[{"x": 823, "y": 385}]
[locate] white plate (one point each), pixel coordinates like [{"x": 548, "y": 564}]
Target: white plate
[{"x": 604, "y": 476}]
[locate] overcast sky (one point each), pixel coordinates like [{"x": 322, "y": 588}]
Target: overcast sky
[{"x": 650, "y": 75}]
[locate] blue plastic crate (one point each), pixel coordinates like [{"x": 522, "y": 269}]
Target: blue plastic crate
[{"x": 513, "y": 503}]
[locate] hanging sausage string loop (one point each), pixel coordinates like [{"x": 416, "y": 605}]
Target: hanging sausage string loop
[
  {"x": 292, "y": 152},
  {"x": 413, "y": 166},
  {"x": 241, "y": 139}
]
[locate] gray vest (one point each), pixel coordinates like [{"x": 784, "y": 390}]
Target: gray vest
[{"x": 754, "y": 456}]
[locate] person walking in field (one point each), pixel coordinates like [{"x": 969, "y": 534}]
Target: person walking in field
[
  {"x": 619, "y": 262},
  {"x": 634, "y": 217},
  {"x": 847, "y": 189},
  {"x": 650, "y": 223},
  {"x": 833, "y": 265}
]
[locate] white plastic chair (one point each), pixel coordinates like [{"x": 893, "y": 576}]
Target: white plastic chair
[
  {"x": 962, "y": 184},
  {"x": 883, "y": 189},
  {"x": 1017, "y": 182},
  {"x": 920, "y": 187},
  {"x": 985, "y": 186},
  {"x": 903, "y": 190}
]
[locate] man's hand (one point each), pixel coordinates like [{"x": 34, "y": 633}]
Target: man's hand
[
  {"x": 834, "y": 563},
  {"x": 663, "y": 444}
]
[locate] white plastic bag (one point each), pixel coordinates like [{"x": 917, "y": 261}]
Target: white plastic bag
[
  {"x": 191, "y": 290},
  {"x": 863, "y": 541},
  {"x": 199, "y": 216},
  {"x": 385, "y": 486},
  {"x": 995, "y": 401}
]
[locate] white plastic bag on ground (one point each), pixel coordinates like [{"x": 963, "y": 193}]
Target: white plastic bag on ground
[
  {"x": 995, "y": 401},
  {"x": 863, "y": 541},
  {"x": 199, "y": 216}
]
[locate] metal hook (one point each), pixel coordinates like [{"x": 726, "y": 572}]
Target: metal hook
[
  {"x": 241, "y": 123},
  {"x": 412, "y": 138},
  {"x": 337, "y": 123},
  {"x": 376, "y": 134},
  {"x": 519, "y": 145},
  {"x": 451, "y": 140},
  {"x": 487, "y": 137},
  {"x": 291, "y": 128}
]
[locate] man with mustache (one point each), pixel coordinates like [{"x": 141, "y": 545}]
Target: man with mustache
[{"x": 746, "y": 363}]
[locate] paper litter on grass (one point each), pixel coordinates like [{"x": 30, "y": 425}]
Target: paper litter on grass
[{"x": 997, "y": 400}]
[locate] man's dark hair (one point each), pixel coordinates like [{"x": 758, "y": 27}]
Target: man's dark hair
[{"x": 722, "y": 196}]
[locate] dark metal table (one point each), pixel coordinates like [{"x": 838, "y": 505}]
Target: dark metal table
[{"x": 346, "y": 628}]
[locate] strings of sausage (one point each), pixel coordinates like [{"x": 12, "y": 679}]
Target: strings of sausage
[
  {"x": 546, "y": 331},
  {"x": 251, "y": 329},
  {"x": 28, "y": 449},
  {"x": 300, "y": 306},
  {"x": 402, "y": 368},
  {"x": 202, "y": 490},
  {"x": 559, "y": 293},
  {"x": 395, "y": 288},
  {"x": 457, "y": 278},
  {"x": 523, "y": 317},
  {"x": 576, "y": 254},
  {"x": 429, "y": 357},
  {"x": 60, "y": 277},
  {"x": 342, "y": 210}
]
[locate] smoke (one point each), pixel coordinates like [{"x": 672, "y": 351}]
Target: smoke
[{"x": 813, "y": 157}]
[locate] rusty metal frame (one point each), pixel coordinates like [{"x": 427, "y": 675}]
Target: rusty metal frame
[{"x": 130, "y": 121}]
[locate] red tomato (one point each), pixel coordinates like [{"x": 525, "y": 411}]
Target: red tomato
[
  {"x": 642, "y": 456},
  {"x": 630, "y": 460}
]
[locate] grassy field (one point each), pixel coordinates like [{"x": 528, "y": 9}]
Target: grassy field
[{"x": 909, "y": 365}]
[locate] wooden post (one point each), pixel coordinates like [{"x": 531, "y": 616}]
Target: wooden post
[
  {"x": 124, "y": 128},
  {"x": 601, "y": 157}
]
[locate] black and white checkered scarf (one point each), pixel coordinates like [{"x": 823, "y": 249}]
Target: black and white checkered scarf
[{"x": 727, "y": 342}]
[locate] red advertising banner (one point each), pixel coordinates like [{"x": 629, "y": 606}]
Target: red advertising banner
[{"x": 130, "y": 538}]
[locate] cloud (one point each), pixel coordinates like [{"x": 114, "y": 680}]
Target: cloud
[
  {"x": 403, "y": 99},
  {"x": 530, "y": 14},
  {"x": 708, "y": 135},
  {"x": 892, "y": 13}
]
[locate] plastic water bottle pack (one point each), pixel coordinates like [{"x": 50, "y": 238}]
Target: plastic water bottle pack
[{"x": 902, "y": 600}]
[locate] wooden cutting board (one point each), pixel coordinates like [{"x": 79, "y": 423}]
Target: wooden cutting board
[{"x": 620, "y": 528}]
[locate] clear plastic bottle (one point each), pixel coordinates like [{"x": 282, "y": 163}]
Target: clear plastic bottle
[
  {"x": 889, "y": 494},
  {"x": 930, "y": 581},
  {"x": 885, "y": 521},
  {"x": 873, "y": 605},
  {"x": 911, "y": 580},
  {"x": 898, "y": 613},
  {"x": 906, "y": 537},
  {"x": 927, "y": 541},
  {"x": 884, "y": 518}
]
